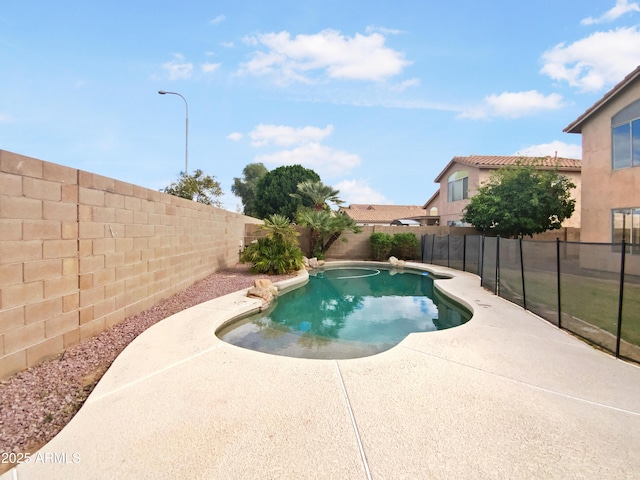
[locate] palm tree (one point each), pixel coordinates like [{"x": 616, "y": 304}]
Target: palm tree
[
  {"x": 316, "y": 195},
  {"x": 280, "y": 229},
  {"x": 326, "y": 227}
]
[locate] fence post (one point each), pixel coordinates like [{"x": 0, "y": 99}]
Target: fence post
[
  {"x": 433, "y": 243},
  {"x": 464, "y": 253},
  {"x": 448, "y": 248},
  {"x": 497, "y": 287},
  {"x": 481, "y": 262},
  {"x": 524, "y": 295},
  {"x": 558, "y": 282},
  {"x": 619, "y": 332}
]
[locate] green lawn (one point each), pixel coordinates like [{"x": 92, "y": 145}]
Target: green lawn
[{"x": 592, "y": 300}]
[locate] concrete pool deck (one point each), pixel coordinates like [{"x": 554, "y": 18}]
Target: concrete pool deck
[{"x": 507, "y": 395}]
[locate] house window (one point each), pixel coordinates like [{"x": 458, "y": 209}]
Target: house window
[
  {"x": 625, "y": 137},
  {"x": 458, "y": 186},
  {"x": 626, "y": 225}
]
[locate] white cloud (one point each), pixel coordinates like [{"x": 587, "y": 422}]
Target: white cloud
[
  {"x": 622, "y": 7},
  {"x": 514, "y": 105},
  {"x": 324, "y": 160},
  {"x": 383, "y": 30},
  {"x": 362, "y": 57},
  {"x": 286, "y": 136},
  {"x": 235, "y": 136},
  {"x": 217, "y": 20},
  {"x": 357, "y": 191},
  {"x": 210, "y": 67},
  {"x": 603, "y": 58},
  {"x": 566, "y": 150},
  {"x": 178, "y": 69},
  {"x": 413, "y": 82}
]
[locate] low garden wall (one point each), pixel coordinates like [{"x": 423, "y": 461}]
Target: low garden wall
[{"x": 80, "y": 252}]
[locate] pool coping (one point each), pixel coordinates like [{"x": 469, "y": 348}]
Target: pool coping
[{"x": 519, "y": 397}]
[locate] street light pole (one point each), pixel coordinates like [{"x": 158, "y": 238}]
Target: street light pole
[{"x": 186, "y": 147}]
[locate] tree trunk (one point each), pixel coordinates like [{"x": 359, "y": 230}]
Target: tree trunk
[
  {"x": 313, "y": 241},
  {"x": 332, "y": 238}
]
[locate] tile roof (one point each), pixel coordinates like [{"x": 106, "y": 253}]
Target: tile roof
[
  {"x": 382, "y": 213},
  {"x": 576, "y": 125},
  {"x": 496, "y": 161}
]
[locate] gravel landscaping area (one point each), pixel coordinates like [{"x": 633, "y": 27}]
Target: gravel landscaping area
[{"x": 37, "y": 403}]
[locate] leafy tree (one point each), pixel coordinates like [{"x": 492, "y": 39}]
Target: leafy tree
[
  {"x": 274, "y": 188},
  {"x": 199, "y": 187},
  {"x": 326, "y": 227},
  {"x": 246, "y": 188},
  {"x": 316, "y": 195},
  {"x": 521, "y": 200},
  {"x": 278, "y": 252}
]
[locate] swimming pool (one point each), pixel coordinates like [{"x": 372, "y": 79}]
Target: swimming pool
[{"x": 347, "y": 312}]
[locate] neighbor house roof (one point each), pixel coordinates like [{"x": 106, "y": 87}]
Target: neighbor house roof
[
  {"x": 576, "y": 125},
  {"x": 434, "y": 197},
  {"x": 492, "y": 162},
  {"x": 365, "y": 213}
]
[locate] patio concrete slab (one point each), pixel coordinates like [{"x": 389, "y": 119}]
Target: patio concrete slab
[{"x": 506, "y": 395}]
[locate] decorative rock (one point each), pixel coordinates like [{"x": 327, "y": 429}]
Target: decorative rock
[
  {"x": 266, "y": 284},
  {"x": 263, "y": 289},
  {"x": 261, "y": 293},
  {"x": 313, "y": 262},
  {"x": 397, "y": 263}
]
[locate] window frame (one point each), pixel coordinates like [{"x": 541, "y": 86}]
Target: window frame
[
  {"x": 458, "y": 181},
  {"x": 625, "y": 137},
  {"x": 629, "y": 231}
]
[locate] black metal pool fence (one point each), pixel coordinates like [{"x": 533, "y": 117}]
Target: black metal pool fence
[{"x": 589, "y": 289}]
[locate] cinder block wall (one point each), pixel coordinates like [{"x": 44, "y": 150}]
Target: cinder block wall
[
  {"x": 80, "y": 252},
  {"x": 357, "y": 246}
]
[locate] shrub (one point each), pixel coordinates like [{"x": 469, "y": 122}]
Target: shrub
[
  {"x": 278, "y": 252},
  {"x": 272, "y": 256},
  {"x": 405, "y": 246},
  {"x": 381, "y": 245}
]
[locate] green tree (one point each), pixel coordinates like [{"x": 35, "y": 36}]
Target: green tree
[
  {"x": 274, "y": 188},
  {"x": 198, "y": 187},
  {"x": 521, "y": 200},
  {"x": 245, "y": 188},
  {"x": 317, "y": 195}
]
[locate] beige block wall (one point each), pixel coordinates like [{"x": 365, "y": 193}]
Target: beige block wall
[
  {"x": 357, "y": 246},
  {"x": 80, "y": 252}
]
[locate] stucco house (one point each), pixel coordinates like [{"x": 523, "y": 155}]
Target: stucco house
[
  {"x": 462, "y": 176},
  {"x": 610, "y": 131},
  {"x": 369, "y": 214}
]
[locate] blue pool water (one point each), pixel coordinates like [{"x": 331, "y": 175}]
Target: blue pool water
[{"x": 347, "y": 313}]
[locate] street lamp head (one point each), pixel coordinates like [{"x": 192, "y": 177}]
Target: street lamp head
[{"x": 162, "y": 92}]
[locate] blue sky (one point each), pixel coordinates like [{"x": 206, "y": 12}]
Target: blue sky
[{"x": 375, "y": 96}]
